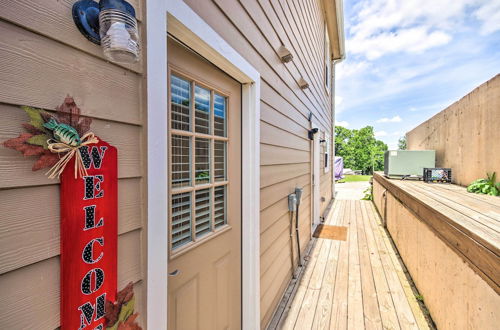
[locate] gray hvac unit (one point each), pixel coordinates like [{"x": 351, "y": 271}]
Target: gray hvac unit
[{"x": 402, "y": 163}]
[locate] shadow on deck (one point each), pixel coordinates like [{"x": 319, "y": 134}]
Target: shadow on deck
[{"x": 354, "y": 284}]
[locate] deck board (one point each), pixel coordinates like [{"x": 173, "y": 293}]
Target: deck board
[
  {"x": 370, "y": 303},
  {"x": 357, "y": 283},
  {"x": 324, "y": 307},
  {"x": 354, "y": 297}
]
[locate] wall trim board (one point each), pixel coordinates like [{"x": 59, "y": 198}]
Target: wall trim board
[{"x": 157, "y": 156}]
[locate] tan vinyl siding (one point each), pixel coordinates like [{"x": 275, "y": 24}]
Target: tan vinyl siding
[
  {"x": 43, "y": 58},
  {"x": 256, "y": 29}
]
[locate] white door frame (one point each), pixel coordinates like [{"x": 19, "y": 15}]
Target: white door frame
[
  {"x": 182, "y": 22},
  {"x": 315, "y": 180}
]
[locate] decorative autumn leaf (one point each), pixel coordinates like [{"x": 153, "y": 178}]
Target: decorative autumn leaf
[
  {"x": 113, "y": 310},
  {"x": 68, "y": 113},
  {"x": 125, "y": 294},
  {"x": 17, "y": 143},
  {"x": 47, "y": 116},
  {"x": 34, "y": 142},
  {"x": 32, "y": 150},
  {"x": 126, "y": 310},
  {"x": 48, "y": 159},
  {"x": 32, "y": 129},
  {"x": 36, "y": 119},
  {"x": 39, "y": 140},
  {"x": 64, "y": 112},
  {"x": 83, "y": 125},
  {"x": 21, "y": 144},
  {"x": 130, "y": 323}
]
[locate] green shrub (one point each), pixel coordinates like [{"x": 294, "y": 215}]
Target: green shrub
[
  {"x": 368, "y": 194},
  {"x": 486, "y": 186}
]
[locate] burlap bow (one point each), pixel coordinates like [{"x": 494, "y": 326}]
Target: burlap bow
[{"x": 60, "y": 148}]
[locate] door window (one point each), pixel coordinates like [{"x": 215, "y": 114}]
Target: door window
[{"x": 198, "y": 165}]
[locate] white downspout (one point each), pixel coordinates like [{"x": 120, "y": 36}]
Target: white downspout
[
  {"x": 339, "y": 8},
  {"x": 332, "y": 137}
]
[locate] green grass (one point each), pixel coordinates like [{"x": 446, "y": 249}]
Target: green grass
[{"x": 355, "y": 178}]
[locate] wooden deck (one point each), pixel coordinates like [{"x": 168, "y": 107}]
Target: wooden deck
[{"x": 354, "y": 284}]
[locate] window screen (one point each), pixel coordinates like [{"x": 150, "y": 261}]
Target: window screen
[
  {"x": 180, "y": 103},
  {"x": 181, "y": 219},
  {"x": 198, "y": 164}
]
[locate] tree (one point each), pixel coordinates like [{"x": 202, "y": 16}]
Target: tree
[
  {"x": 342, "y": 136},
  {"x": 402, "y": 145},
  {"x": 360, "y": 149}
]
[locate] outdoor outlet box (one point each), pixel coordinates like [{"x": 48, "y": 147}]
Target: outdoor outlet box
[
  {"x": 402, "y": 163},
  {"x": 292, "y": 202}
]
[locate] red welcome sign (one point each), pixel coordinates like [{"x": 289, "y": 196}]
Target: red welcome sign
[{"x": 89, "y": 234}]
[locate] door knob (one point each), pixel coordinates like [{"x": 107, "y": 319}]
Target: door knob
[{"x": 174, "y": 273}]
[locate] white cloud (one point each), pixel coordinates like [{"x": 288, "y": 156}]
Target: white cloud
[
  {"x": 338, "y": 100},
  {"x": 347, "y": 69},
  {"x": 392, "y": 146},
  {"x": 395, "y": 119},
  {"x": 375, "y": 16},
  {"x": 380, "y": 27},
  {"x": 489, "y": 14},
  {"x": 380, "y": 133},
  {"x": 341, "y": 123},
  {"x": 412, "y": 40},
  {"x": 416, "y": 56}
]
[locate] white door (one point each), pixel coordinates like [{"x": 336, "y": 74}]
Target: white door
[{"x": 315, "y": 180}]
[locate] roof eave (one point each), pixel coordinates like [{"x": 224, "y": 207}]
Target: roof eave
[{"x": 334, "y": 16}]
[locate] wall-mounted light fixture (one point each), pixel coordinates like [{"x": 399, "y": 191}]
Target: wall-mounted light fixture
[
  {"x": 111, "y": 24},
  {"x": 284, "y": 54},
  {"x": 311, "y": 132},
  {"x": 303, "y": 84}
]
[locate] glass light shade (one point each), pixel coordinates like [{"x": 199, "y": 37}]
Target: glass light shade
[{"x": 119, "y": 36}]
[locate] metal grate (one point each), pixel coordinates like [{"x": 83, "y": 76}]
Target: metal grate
[
  {"x": 220, "y": 160},
  {"x": 202, "y": 160},
  {"x": 203, "y": 212},
  {"x": 202, "y": 110},
  {"x": 181, "y": 96},
  {"x": 220, "y": 206},
  {"x": 181, "y": 165},
  {"x": 219, "y": 115},
  {"x": 181, "y": 219}
]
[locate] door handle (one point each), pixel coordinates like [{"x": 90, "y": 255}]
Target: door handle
[{"x": 174, "y": 273}]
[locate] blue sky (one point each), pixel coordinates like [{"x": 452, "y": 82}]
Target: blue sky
[{"x": 409, "y": 59}]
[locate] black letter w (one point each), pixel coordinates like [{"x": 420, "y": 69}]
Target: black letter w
[{"x": 94, "y": 157}]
